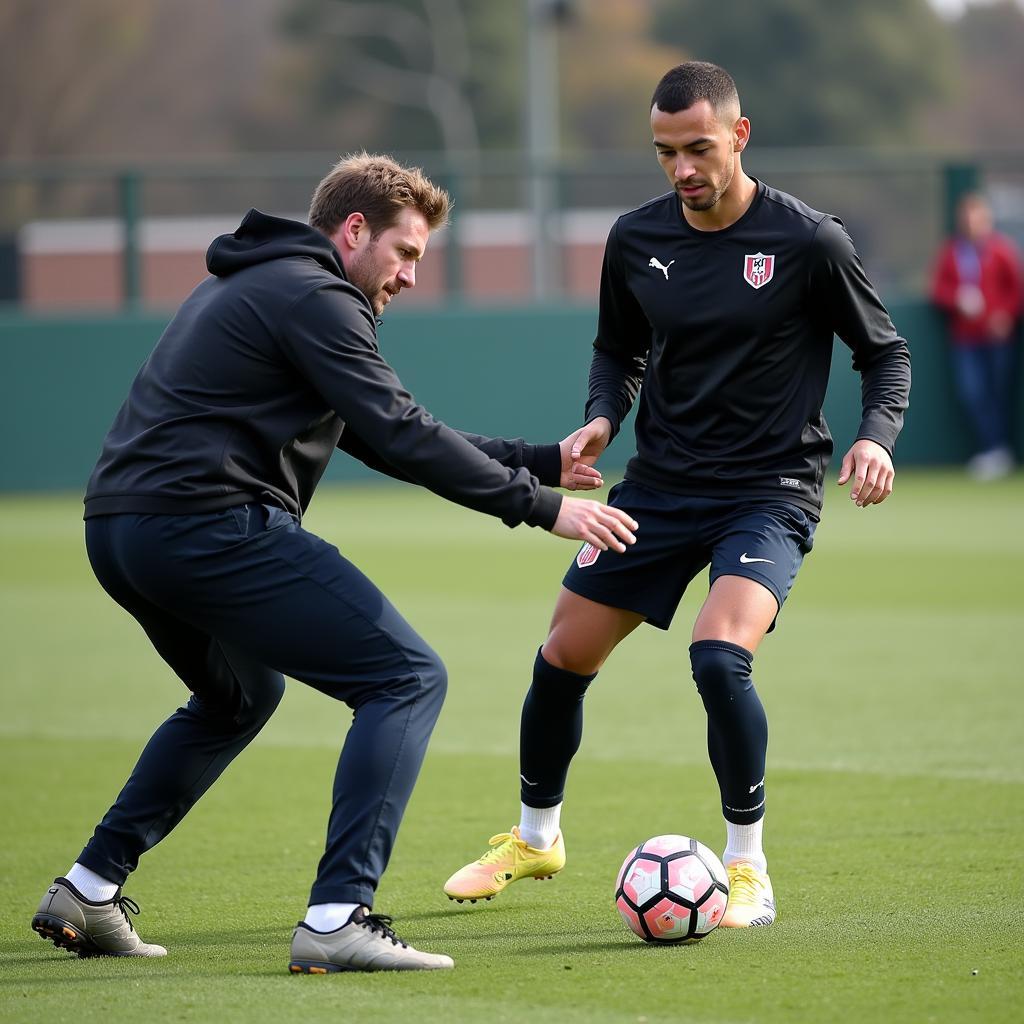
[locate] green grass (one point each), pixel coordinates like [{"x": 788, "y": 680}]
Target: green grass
[{"x": 896, "y": 787}]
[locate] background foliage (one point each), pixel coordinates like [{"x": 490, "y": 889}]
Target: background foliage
[{"x": 176, "y": 78}]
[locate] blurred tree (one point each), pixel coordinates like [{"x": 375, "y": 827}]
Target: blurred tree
[
  {"x": 368, "y": 72},
  {"x": 126, "y": 77},
  {"x": 986, "y": 111},
  {"x": 610, "y": 66},
  {"x": 48, "y": 105},
  {"x": 400, "y": 74},
  {"x": 813, "y": 74}
]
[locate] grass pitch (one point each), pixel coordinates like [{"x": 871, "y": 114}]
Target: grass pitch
[{"x": 895, "y": 792}]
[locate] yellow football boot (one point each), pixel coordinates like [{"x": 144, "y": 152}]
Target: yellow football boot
[
  {"x": 508, "y": 860},
  {"x": 751, "y": 900}
]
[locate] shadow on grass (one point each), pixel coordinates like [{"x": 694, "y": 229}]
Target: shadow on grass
[
  {"x": 626, "y": 946},
  {"x": 454, "y": 912},
  {"x": 96, "y": 974},
  {"x": 14, "y": 958},
  {"x": 246, "y": 936}
]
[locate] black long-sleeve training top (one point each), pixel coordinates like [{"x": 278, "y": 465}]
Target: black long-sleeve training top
[
  {"x": 730, "y": 333},
  {"x": 268, "y": 366}
]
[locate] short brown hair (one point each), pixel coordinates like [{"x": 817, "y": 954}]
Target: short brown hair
[{"x": 378, "y": 188}]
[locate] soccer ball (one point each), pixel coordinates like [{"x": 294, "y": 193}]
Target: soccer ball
[{"x": 672, "y": 889}]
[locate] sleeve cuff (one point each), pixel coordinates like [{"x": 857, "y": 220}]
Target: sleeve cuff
[
  {"x": 609, "y": 413},
  {"x": 544, "y": 461},
  {"x": 879, "y": 432},
  {"x": 545, "y": 509}
]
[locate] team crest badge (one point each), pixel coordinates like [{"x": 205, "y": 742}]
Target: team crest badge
[
  {"x": 758, "y": 269},
  {"x": 587, "y": 556}
]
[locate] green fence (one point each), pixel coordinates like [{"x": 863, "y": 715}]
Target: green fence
[
  {"x": 501, "y": 372},
  {"x": 897, "y": 203}
]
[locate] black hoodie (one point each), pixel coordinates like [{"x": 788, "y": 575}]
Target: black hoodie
[{"x": 267, "y": 367}]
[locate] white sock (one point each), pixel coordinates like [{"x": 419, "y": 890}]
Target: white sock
[
  {"x": 743, "y": 842},
  {"x": 329, "y": 917},
  {"x": 538, "y": 826},
  {"x": 92, "y": 886}
]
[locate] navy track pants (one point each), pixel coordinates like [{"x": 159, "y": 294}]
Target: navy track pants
[{"x": 233, "y": 601}]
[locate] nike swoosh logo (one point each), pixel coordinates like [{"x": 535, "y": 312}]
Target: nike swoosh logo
[
  {"x": 758, "y": 786},
  {"x": 746, "y": 561},
  {"x": 526, "y": 780}
]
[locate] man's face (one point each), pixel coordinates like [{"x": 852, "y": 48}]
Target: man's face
[
  {"x": 381, "y": 267},
  {"x": 975, "y": 219},
  {"x": 697, "y": 152}
]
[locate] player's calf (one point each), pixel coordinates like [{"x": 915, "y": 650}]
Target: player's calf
[{"x": 737, "y": 726}]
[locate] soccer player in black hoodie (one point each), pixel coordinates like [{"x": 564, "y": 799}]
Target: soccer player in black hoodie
[
  {"x": 721, "y": 298},
  {"x": 193, "y": 524}
]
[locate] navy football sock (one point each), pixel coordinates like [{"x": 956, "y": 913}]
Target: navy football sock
[
  {"x": 550, "y": 732},
  {"x": 737, "y": 726}
]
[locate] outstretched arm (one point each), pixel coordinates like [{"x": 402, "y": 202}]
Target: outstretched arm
[
  {"x": 551, "y": 464},
  {"x": 329, "y": 338}
]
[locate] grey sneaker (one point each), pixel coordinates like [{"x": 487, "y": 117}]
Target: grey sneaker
[
  {"x": 366, "y": 943},
  {"x": 88, "y": 928}
]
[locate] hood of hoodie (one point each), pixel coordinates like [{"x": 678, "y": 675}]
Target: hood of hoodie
[{"x": 261, "y": 238}]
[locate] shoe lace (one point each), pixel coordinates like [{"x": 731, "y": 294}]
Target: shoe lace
[
  {"x": 382, "y": 923},
  {"x": 499, "y": 850},
  {"x": 124, "y": 904},
  {"x": 744, "y": 882}
]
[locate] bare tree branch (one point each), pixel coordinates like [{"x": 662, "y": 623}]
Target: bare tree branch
[
  {"x": 383, "y": 21},
  {"x": 437, "y": 88}
]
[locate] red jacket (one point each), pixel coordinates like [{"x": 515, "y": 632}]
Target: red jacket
[{"x": 997, "y": 272}]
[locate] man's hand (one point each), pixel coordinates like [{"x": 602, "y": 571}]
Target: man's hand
[
  {"x": 577, "y": 475},
  {"x": 580, "y": 450},
  {"x": 870, "y": 466},
  {"x": 601, "y": 525}
]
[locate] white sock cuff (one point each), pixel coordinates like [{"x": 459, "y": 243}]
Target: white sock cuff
[
  {"x": 92, "y": 886},
  {"x": 538, "y": 826},
  {"x": 329, "y": 917},
  {"x": 744, "y": 842}
]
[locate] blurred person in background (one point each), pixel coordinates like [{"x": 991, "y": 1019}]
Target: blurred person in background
[{"x": 977, "y": 284}]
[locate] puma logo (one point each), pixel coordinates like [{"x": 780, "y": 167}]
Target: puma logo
[{"x": 658, "y": 265}]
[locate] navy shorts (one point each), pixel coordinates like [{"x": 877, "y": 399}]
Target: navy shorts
[{"x": 762, "y": 539}]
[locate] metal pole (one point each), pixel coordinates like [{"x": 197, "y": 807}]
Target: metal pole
[
  {"x": 129, "y": 187},
  {"x": 542, "y": 138}
]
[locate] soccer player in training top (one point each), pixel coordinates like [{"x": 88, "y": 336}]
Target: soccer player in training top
[{"x": 721, "y": 298}]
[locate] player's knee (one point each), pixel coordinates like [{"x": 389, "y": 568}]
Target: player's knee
[
  {"x": 720, "y": 669},
  {"x": 568, "y": 650},
  {"x": 261, "y": 700},
  {"x": 579, "y": 662},
  {"x": 433, "y": 677},
  {"x": 438, "y": 678},
  {"x": 235, "y": 705}
]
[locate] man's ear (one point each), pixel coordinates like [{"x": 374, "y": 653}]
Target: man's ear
[
  {"x": 741, "y": 134},
  {"x": 351, "y": 233}
]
